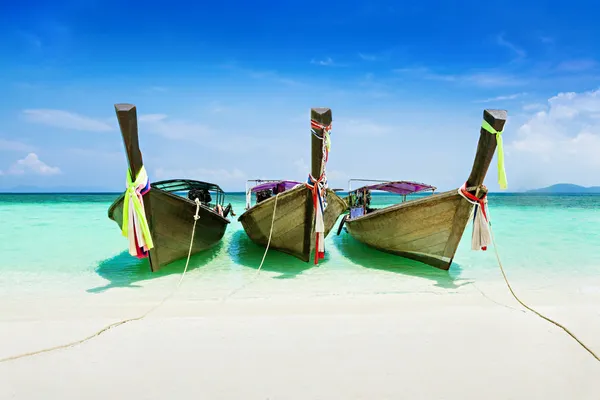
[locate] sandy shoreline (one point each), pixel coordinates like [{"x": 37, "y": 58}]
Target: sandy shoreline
[{"x": 432, "y": 344}]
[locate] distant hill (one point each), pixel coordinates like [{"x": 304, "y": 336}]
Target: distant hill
[{"x": 566, "y": 188}]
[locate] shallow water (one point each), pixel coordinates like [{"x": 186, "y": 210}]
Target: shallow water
[{"x": 65, "y": 242}]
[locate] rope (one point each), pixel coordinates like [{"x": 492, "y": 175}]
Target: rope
[
  {"x": 531, "y": 309},
  {"x": 270, "y": 234},
  {"x": 481, "y": 203},
  {"x": 263, "y": 258},
  {"x": 115, "y": 324}
]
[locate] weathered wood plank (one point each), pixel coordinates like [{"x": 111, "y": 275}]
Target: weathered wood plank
[
  {"x": 293, "y": 228},
  {"x": 170, "y": 217},
  {"x": 429, "y": 229}
]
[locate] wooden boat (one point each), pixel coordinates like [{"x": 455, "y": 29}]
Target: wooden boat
[
  {"x": 297, "y": 204},
  {"x": 169, "y": 216},
  {"x": 427, "y": 229}
]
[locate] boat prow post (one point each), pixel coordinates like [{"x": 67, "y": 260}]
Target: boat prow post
[
  {"x": 486, "y": 147},
  {"x": 128, "y": 124},
  {"x": 320, "y": 124}
]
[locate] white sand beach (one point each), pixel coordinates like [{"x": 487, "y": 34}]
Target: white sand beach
[{"x": 472, "y": 342}]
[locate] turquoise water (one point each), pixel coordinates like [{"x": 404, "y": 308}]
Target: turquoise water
[{"x": 66, "y": 242}]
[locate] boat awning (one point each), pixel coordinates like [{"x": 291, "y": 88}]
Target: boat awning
[
  {"x": 180, "y": 185},
  {"x": 399, "y": 187},
  {"x": 271, "y": 184}
]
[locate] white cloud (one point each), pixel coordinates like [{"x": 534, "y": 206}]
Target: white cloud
[
  {"x": 66, "y": 119},
  {"x": 337, "y": 175},
  {"x": 262, "y": 75},
  {"x": 150, "y": 118},
  {"x": 302, "y": 166},
  {"x": 160, "y": 124},
  {"x": 155, "y": 89},
  {"x": 503, "y": 98},
  {"x": 215, "y": 108},
  {"x": 561, "y": 143},
  {"x": 367, "y": 57},
  {"x": 577, "y": 65},
  {"x": 328, "y": 62},
  {"x": 96, "y": 154},
  {"x": 31, "y": 39},
  {"x": 12, "y": 145},
  {"x": 490, "y": 79},
  {"x": 360, "y": 127},
  {"x": 519, "y": 52},
  {"x": 534, "y": 107},
  {"x": 31, "y": 164},
  {"x": 485, "y": 79}
]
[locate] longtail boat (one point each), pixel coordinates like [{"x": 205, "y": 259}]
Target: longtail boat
[
  {"x": 305, "y": 213},
  {"x": 429, "y": 228},
  {"x": 155, "y": 217}
]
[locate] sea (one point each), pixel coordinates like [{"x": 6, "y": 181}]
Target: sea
[{"x": 56, "y": 244}]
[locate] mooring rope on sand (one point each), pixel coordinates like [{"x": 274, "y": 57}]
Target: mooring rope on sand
[
  {"x": 482, "y": 233},
  {"x": 234, "y": 291},
  {"x": 531, "y": 309},
  {"x": 122, "y": 322}
]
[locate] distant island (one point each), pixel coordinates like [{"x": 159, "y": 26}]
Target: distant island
[{"x": 566, "y": 188}]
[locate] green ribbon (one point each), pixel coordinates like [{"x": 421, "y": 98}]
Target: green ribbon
[
  {"x": 130, "y": 194},
  {"x": 501, "y": 172}
]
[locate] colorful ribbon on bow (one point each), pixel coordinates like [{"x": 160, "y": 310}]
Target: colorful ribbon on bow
[
  {"x": 326, "y": 137},
  {"x": 501, "y": 172},
  {"x": 481, "y": 222},
  {"x": 135, "y": 226},
  {"x": 318, "y": 187}
]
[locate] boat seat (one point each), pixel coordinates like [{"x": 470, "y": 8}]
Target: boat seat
[
  {"x": 356, "y": 212},
  {"x": 201, "y": 194}
]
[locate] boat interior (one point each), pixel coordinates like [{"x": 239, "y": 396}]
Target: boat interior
[
  {"x": 265, "y": 189},
  {"x": 359, "y": 200},
  {"x": 211, "y": 196}
]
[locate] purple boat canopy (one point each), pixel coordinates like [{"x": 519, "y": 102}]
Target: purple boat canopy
[
  {"x": 399, "y": 187},
  {"x": 271, "y": 184}
]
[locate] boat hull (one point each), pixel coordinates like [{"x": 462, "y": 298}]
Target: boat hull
[
  {"x": 171, "y": 221},
  {"x": 293, "y": 227},
  {"x": 427, "y": 230}
]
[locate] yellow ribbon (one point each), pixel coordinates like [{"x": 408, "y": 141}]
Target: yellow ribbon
[
  {"x": 130, "y": 194},
  {"x": 327, "y": 140},
  {"x": 501, "y": 172}
]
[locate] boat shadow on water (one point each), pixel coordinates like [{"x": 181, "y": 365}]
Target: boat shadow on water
[
  {"x": 124, "y": 271},
  {"x": 243, "y": 251},
  {"x": 367, "y": 257}
]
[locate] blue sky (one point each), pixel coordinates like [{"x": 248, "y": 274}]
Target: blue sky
[{"x": 223, "y": 91}]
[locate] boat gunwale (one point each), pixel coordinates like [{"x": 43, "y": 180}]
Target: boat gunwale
[
  {"x": 216, "y": 214},
  {"x": 270, "y": 199},
  {"x": 405, "y": 204},
  {"x": 284, "y": 194}
]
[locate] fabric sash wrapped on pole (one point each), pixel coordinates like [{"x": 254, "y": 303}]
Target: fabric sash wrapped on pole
[
  {"x": 481, "y": 224},
  {"x": 318, "y": 187},
  {"x": 135, "y": 225},
  {"x": 501, "y": 172}
]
